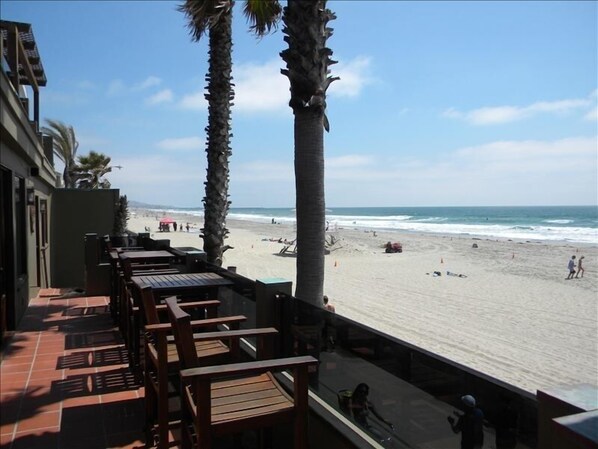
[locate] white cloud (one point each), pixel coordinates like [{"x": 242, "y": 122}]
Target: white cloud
[
  {"x": 164, "y": 179},
  {"x": 258, "y": 88},
  {"x": 493, "y": 115},
  {"x": 504, "y": 172},
  {"x": 348, "y": 161},
  {"x": 261, "y": 171},
  {"x": 531, "y": 150},
  {"x": 89, "y": 142},
  {"x": 194, "y": 101},
  {"x": 116, "y": 87},
  {"x": 86, "y": 85},
  {"x": 181, "y": 143},
  {"x": 592, "y": 115},
  {"x": 150, "y": 81},
  {"x": 262, "y": 88},
  {"x": 353, "y": 75},
  {"x": 161, "y": 178},
  {"x": 504, "y": 160},
  {"x": 501, "y": 114},
  {"x": 164, "y": 96},
  {"x": 267, "y": 171},
  {"x": 65, "y": 98},
  {"x": 452, "y": 113}
]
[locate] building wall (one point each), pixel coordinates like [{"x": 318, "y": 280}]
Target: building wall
[
  {"x": 22, "y": 157},
  {"x": 74, "y": 214}
]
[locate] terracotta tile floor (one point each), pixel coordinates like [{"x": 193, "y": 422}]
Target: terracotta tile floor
[{"x": 65, "y": 381}]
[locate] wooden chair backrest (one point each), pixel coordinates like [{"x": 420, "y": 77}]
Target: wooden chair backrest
[
  {"x": 127, "y": 268},
  {"x": 183, "y": 334},
  {"x": 149, "y": 305}
]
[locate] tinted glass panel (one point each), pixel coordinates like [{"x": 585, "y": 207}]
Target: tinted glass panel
[{"x": 413, "y": 390}]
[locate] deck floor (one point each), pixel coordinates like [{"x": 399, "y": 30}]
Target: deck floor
[{"x": 65, "y": 381}]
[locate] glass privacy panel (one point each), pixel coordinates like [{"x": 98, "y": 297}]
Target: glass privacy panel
[
  {"x": 402, "y": 395},
  {"x": 234, "y": 303}
]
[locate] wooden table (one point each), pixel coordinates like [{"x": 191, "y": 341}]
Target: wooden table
[
  {"x": 137, "y": 256},
  {"x": 195, "y": 284},
  {"x": 146, "y": 256},
  {"x": 173, "y": 284}
]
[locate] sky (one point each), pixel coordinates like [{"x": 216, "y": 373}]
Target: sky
[{"x": 439, "y": 103}]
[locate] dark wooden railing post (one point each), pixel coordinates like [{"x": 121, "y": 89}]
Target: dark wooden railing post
[{"x": 269, "y": 310}]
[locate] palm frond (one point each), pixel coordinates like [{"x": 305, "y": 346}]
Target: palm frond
[
  {"x": 203, "y": 14},
  {"x": 91, "y": 169},
  {"x": 65, "y": 145},
  {"x": 262, "y": 15}
]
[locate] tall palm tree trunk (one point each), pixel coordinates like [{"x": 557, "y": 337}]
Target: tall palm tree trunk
[
  {"x": 66, "y": 176},
  {"x": 307, "y": 60},
  {"x": 310, "y": 204},
  {"x": 220, "y": 95}
]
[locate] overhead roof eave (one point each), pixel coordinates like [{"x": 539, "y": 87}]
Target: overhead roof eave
[{"x": 30, "y": 48}]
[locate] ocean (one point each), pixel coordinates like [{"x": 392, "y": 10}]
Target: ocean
[{"x": 578, "y": 224}]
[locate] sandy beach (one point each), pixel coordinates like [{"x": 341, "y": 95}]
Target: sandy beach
[{"x": 512, "y": 315}]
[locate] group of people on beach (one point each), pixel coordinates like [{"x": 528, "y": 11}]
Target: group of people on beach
[
  {"x": 165, "y": 227},
  {"x": 395, "y": 247},
  {"x": 572, "y": 266}
]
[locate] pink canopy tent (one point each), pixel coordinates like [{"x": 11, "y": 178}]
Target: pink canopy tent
[{"x": 166, "y": 220}]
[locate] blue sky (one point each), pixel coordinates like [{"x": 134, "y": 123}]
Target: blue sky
[{"x": 439, "y": 103}]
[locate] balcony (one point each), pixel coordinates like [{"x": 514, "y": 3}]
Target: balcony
[{"x": 66, "y": 380}]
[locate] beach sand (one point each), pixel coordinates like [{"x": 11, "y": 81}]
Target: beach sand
[{"x": 513, "y": 317}]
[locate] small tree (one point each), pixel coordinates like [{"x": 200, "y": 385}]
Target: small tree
[
  {"x": 121, "y": 216},
  {"x": 90, "y": 172}
]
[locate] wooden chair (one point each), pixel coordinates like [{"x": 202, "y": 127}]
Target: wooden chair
[
  {"x": 128, "y": 309},
  {"x": 227, "y": 399},
  {"x": 162, "y": 361}
]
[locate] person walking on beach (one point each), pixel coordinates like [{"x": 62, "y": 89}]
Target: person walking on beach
[
  {"x": 470, "y": 424},
  {"x": 571, "y": 267},
  {"x": 327, "y": 305},
  {"x": 174, "y": 225},
  {"x": 579, "y": 267}
]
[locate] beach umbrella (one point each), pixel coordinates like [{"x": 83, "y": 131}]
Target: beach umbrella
[{"x": 166, "y": 220}]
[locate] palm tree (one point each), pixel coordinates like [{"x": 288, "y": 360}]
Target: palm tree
[
  {"x": 65, "y": 147},
  {"x": 92, "y": 168},
  {"x": 215, "y": 16},
  {"x": 307, "y": 60}
]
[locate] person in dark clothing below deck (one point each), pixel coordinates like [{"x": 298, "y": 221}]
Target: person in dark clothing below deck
[
  {"x": 506, "y": 424},
  {"x": 470, "y": 424},
  {"x": 361, "y": 408}
]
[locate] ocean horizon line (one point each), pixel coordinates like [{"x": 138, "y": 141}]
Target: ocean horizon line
[
  {"x": 141, "y": 205},
  {"x": 577, "y": 224}
]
